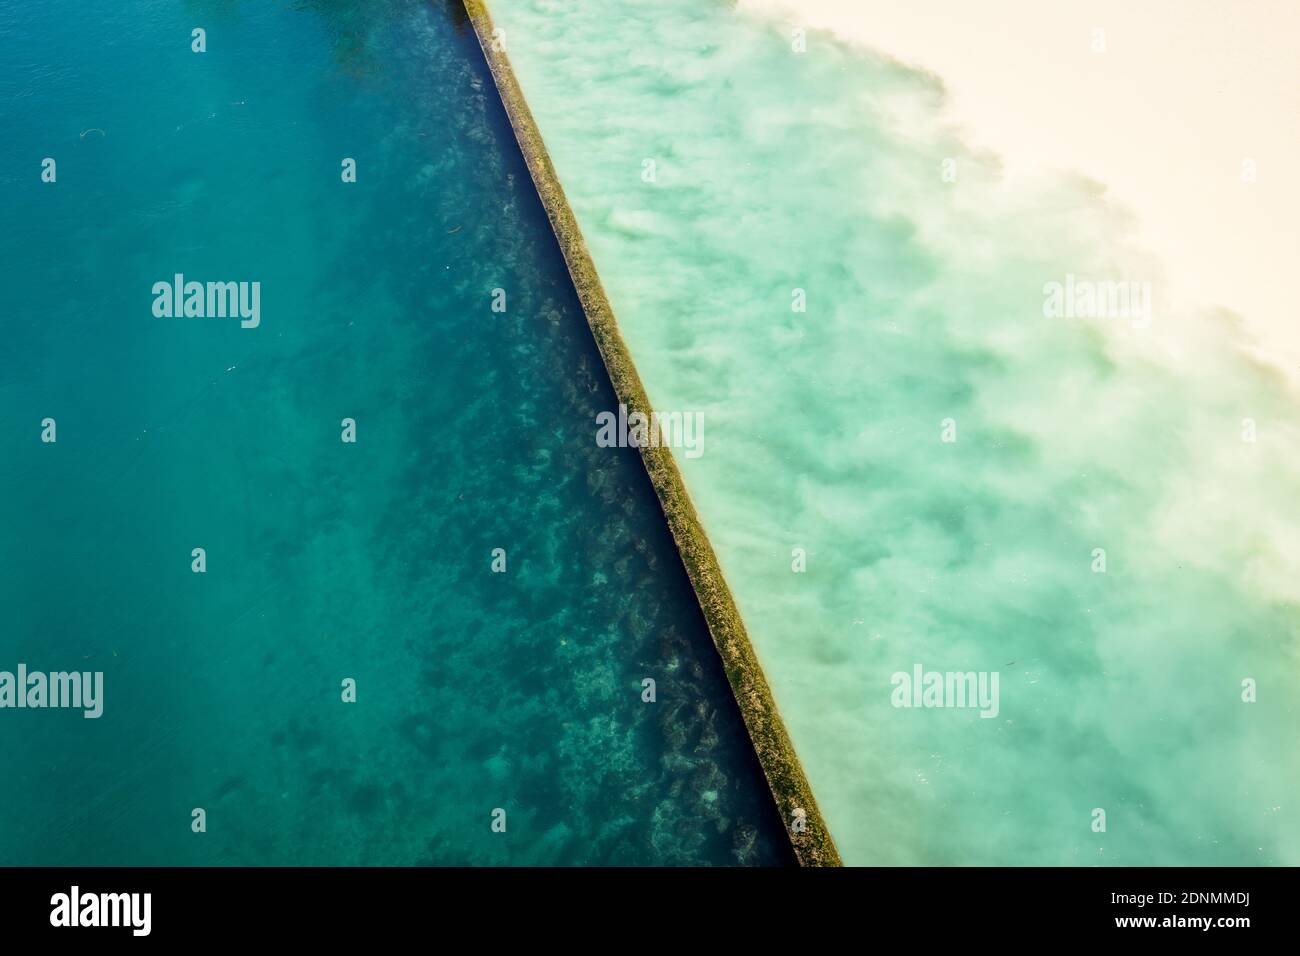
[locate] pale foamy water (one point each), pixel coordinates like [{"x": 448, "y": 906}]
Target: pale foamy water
[
  {"x": 826, "y": 171},
  {"x": 1179, "y": 109}
]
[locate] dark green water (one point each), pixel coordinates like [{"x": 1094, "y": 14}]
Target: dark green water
[{"x": 325, "y": 560}]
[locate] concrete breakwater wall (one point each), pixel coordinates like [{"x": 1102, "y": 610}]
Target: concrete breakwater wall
[{"x": 811, "y": 840}]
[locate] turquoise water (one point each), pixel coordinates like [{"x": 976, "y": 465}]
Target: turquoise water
[
  {"x": 825, "y": 171},
  {"x": 325, "y": 560}
]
